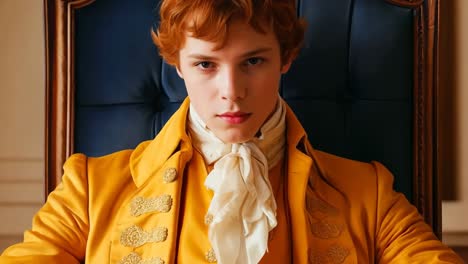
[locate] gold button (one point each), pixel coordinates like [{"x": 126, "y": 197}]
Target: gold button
[
  {"x": 210, "y": 256},
  {"x": 208, "y": 219},
  {"x": 170, "y": 175}
]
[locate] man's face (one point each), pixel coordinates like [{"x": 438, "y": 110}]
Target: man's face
[{"x": 234, "y": 89}]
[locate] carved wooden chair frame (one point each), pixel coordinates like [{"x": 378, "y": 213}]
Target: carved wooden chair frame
[{"x": 60, "y": 86}]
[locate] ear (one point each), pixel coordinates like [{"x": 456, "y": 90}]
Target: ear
[
  {"x": 286, "y": 66},
  {"x": 179, "y": 72}
]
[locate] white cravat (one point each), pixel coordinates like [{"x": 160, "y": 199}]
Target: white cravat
[{"x": 243, "y": 209}]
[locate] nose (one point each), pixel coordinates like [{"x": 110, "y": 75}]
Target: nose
[{"x": 231, "y": 84}]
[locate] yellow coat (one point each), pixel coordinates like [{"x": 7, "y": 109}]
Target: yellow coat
[{"x": 341, "y": 211}]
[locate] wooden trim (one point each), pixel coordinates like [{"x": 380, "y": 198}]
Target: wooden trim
[
  {"x": 59, "y": 28},
  {"x": 407, "y": 3},
  {"x": 434, "y": 25},
  {"x": 426, "y": 195}
]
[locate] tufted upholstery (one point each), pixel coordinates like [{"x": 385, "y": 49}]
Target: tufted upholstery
[{"x": 354, "y": 86}]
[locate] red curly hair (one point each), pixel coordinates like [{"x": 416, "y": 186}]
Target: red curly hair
[{"x": 209, "y": 20}]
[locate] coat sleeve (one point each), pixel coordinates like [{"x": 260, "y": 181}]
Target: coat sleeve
[
  {"x": 402, "y": 236},
  {"x": 60, "y": 228}
]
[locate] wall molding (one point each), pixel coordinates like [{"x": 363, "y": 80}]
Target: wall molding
[
  {"x": 454, "y": 238},
  {"x": 19, "y": 169},
  {"x": 20, "y": 193}
]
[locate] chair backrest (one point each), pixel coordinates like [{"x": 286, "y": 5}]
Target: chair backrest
[{"x": 364, "y": 85}]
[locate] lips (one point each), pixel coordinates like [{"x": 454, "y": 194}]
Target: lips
[{"x": 234, "y": 117}]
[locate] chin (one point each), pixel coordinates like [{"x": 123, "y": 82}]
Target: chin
[{"x": 235, "y": 137}]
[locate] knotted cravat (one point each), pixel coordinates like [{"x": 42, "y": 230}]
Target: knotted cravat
[{"x": 243, "y": 208}]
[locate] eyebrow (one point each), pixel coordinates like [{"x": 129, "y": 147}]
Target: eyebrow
[{"x": 247, "y": 54}]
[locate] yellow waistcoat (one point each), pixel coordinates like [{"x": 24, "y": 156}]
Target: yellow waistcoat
[{"x": 124, "y": 208}]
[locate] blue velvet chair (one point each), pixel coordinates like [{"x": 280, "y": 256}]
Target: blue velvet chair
[{"x": 364, "y": 85}]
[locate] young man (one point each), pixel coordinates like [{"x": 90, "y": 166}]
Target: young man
[{"x": 231, "y": 178}]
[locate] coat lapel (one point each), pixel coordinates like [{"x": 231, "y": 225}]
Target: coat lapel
[
  {"x": 147, "y": 226},
  {"x": 298, "y": 171},
  {"x": 317, "y": 210},
  {"x": 327, "y": 210}
]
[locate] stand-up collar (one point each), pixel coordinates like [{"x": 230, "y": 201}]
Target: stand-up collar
[{"x": 149, "y": 156}]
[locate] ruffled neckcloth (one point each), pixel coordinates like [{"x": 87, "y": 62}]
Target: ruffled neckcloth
[{"x": 243, "y": 208}]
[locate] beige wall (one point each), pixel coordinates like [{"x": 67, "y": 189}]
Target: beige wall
[
  {"x": 21, "y": 115},
  {"x": 454, "y": 119}
]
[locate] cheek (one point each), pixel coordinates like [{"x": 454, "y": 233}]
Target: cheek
[
  {"x": 268, "y": 86},
  {"x": 202, "y": 107},
  {"x": 194, "y": 84},
  {"x": 200, "y": 95}
]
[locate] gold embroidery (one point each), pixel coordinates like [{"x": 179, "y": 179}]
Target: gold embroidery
[
  {"x": 318, "y": 205},
  {"x": 169, "y": 175},
  {"x": 337, "y": 254},
  {"x": 208, "y": 219},
  {"x": 210, "y": 256},
  {"x": 317, "y": 259},
  {"x": 161, "y": 204},
  {"x": 134, "y": 258},
  {"x": 325, "y": 230},
  {"x": 134, "y": 236}
]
